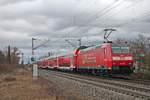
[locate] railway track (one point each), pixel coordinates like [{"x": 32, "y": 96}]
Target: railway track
[
  {"x": 121, "y": 87},
  {"x": 130, "y": 80},
  {"x": 139, "y": 81}
]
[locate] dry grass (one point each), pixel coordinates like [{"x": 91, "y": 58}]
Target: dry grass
[
  {"x": 16, "y": 83},
  {"x": 7, "y": 68},
  {"x": 19, "y": 85}
]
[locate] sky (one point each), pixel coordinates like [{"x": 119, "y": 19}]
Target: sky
[{"x": 58, "y": 20}]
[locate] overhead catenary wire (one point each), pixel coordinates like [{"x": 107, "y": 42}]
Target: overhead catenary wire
[
  {"x": 108, "y": 10},
  {"x": 89, "y": 5},
  {"x": 102, "y": 12},
  {"x": 116, "y": 13},
  {"x": 127, "y": 7},
  {"x": 75, "y": 16},
  {"x": 108, "y": 7},
  {"x": 135, "y": 19},
  {"x": 131, "y": 5}
]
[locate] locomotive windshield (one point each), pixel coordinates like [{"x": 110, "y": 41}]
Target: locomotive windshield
[{"x": 120, "y": 49}]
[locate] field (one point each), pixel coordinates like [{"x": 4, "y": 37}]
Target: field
[{"x": 16, "y": 83}]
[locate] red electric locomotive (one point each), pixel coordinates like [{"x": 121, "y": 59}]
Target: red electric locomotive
[{"x": 106, "y": 58}]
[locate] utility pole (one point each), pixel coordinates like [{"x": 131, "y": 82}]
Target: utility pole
[
  {"x": 22, "y": 56},
  {"x": 33, "y": 48},
  {"x": 148, "y": 43},
  {"x": 79, "y": 42},
  {"x": 9, "y": 55},
  {"x": 35, "y": 67}
]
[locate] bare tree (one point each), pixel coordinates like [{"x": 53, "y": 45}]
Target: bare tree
[
  {"x": 15, "y": 55},
  {"x": 10, "y": 56}
]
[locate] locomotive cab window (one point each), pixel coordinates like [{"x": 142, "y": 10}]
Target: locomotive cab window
[{"x": 120, "y": 49}]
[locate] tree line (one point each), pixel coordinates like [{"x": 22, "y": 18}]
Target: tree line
[{"x": 9, "y": 56}]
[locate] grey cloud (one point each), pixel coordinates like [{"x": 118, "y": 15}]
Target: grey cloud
[
  {"x": 59, "y": 19},
  {"x": 5, "y": 2}
]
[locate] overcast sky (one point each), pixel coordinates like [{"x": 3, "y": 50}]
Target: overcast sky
[{"x": 20, "y": 20}]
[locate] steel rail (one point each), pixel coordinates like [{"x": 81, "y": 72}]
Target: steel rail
[{"x": 121, "y": 88}]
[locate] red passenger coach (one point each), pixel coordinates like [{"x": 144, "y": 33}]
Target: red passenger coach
[
  {"x": 65, "y": 62},
  {"x": 107, "y": 58},
  {"x": 43, "y": 64},
  {"x": 51, "y": 63}
]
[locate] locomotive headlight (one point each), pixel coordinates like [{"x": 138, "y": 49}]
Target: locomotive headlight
[{"x": 115, "y": 58}]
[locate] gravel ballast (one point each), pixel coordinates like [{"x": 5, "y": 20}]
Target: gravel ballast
[{"x": 86, "y": 91}]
